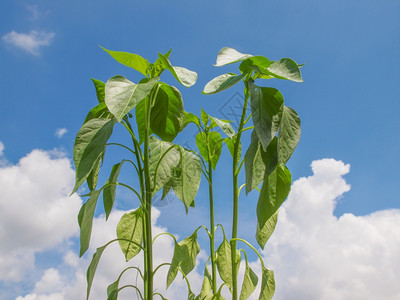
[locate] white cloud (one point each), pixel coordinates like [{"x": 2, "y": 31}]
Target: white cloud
[
  {"x": 30, "y": 42},
  {"x": 36, "y": 212},
  {"x": 60, "y": 132}
]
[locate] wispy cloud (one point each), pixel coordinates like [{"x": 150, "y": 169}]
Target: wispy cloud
[
  {"x": 60, "y": 132},
  {"x": 30, "y": 42}
]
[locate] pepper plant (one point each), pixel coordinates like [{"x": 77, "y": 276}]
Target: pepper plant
[
  {"x": 275, "y": 135},
  {"x": 153, "y": 159}
]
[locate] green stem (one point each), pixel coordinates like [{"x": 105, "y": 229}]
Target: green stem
[
  {"x": 212, "y": 228},
  {"x": 236, "y": 161}
]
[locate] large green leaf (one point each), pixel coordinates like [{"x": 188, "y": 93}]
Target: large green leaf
[
  {"x": 289, "y": 134},
  {"x": 186, "y": 182},
  {"x": 285, "y": 68},
  {"x": 90, "y": 144},
  {"x": 183, "y": 75},
  {"x": 122, "y": 95},
  {"x": 85, "y": 220},
  {"x": 221, "y": 83},
  {"x": 264, "y": 233},
  {"x": 256, "y": 64},
  {"x": 109, "y": 191},
  {"x": 229, "y": 55},
  {"x": 185, "y": 253},
  {"x": 266, "y": 107},
  {"x": 130, "y": 233},
  {"x": 99, "y": 85},
  {"x": 209, "y": 141},
  {"x": 167, "y": 113},
  {"x": 249, "y": 283},
  {"x": 162, "y": 164},
  {"x": 254, "y": 164},
  {"x": 274, "y": 191},
  {"x": 267, "y": 285},
  {"x": 224, "y": 262},
  {"x": 131, "y": 60}
]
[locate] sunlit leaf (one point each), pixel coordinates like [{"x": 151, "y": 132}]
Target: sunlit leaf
[
  {"x": 183, "y": 75},
  {"x": 264, "y": 233},
  {"x": 256, "y": 64},
  {"x": 122, "y": 95},
  {"x": 249, "y": 283},
  {"x": 274, "y": 191},
  {"x": 285, "y": 68},
  {"x": 204, "y": 117},
  {"x": 229, "y": 55},
  {"x": 190, "y": 118},
  {"x": 140, "y": 112},
  {"x": 99, "y": 85},
  {"x": 131, "y": 60},
  {"x": 130, "y": 233},
  {"x": 224, "y": 262},
  {"x": 221, "y": 83},
  {"x": 266, "y": 107},
  {"x": 224, "y": 125},
  {"x": 206, "y": 286},
  {"x": 267, "y": 285},
  {"x": 100, "y": 111}
]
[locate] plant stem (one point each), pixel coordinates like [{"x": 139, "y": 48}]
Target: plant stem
[
  {"x": 212, "y": 228},
  {"x": 236, "y": 161}
]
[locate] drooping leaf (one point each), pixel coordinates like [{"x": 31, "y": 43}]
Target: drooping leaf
[
  {"x": 122, "y": 95},
  {"x": 131, "y": 60},
  {"x": 206, "y": 286},
  {"x": 190, "y": 118},
  {"x": 211, "y": 140},
  {"x": 285, "y": 68},
  {"x": 99, "y": 85},
  {"x": 167, "y": 113},
  {"x": 249, "y": 283},
  {"x": 256, "y": 64},
  {"x": 224, "y": 125},
  {"x": 221, "y": 83},
  {"x": 183, "y": 75},
  {"x": 264, "y": 233},
  {"x": 109, "y": 191},
  {"x": 289, "y": 134},
  {"x": 130, "y": 229},
  {"x": 224, "y": 262},
  {"x": 270, "y": 157},
  {"x": 140, "y": 112},
  {"x": 162, "y": 165},
  {"x": 185, "y": 253},
  {"x": 89, "y": 146},
  {"x": 254, "y": 164},
  {"x": 266, "y": 107},
  {"x": 274, "y": 191},
  {"x": 229, "y": 55},
  {"x": 85, "y": 220},
  {"x": 187, "y": 183},
  {"x": 94, "y": 175},
  {"x": 112, "y": 291},
  {"x": 267, "y": 285}
]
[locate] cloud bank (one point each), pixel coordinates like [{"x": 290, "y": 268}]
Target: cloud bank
[
  {"x": 315, "y": 255},
  {"x": 30, "y": 42}
]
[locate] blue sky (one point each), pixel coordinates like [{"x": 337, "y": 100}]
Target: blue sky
[{"x": 348, "y": 103}]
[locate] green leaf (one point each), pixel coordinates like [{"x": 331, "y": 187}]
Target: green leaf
[
  {"x": 162, "y": 166},
  {"x": 224, "y": 263},
  {"x": 249, "y": 283},
  {"x": 90, "y": 144},
  {"x": 167, "y": 113},
  {"x": 123, "y": 95},
  {"x": 258, "y": 64},
  {"x": 221, "y": 83},
  {"x": 289, "y": 134},
  {"x": 206, "y": 287},
  {"x": 85, "y": 220},
  {"x": 224, "y": 125},
  {"x": 231, "y": 145},
  {"x": 253, "y": 163},
  {"x": 185, "y": 254},
  {"x": 267, "y": 285},
  {"x": 266, "y": 107},
  {"x": 99, "y": 85},
  {"x": 264, "y": 233},
  {"x": 131, "y": 60},
  {"x": 211, "y": 140},
  {"x": 274, "y": 191},
  {"x": 204, "y": 118},
  {"x": 140, "y": 112},
  {"x": 285, "y": 68},
  {"x": 94, "y": 175},
  {"x": 100, "y": 111},
  {"x": 109, "y": 191},
  {"x": 229, "y": 56},
  {"x": 183, "y": 75},
  {"x": 112, "y": 291},
  {"x": 190, "y": 118},
  {"x": 92, "y": 268},
  {"x": 187, "y": 182},
  {"x": 130, "y": 228}
]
